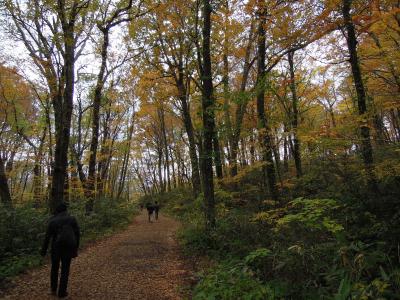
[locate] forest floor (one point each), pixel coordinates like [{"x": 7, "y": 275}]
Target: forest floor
[{"x": 142, "y": 262}]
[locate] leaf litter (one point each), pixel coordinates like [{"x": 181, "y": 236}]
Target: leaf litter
[{"x": 143, "y": 262}]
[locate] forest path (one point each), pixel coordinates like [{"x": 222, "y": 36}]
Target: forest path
[{"x": 142, "y": 262}]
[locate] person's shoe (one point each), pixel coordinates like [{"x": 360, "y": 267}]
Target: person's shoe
[
  {"x": 53, "y": 293},
  {"x": 63, "y": 295}
]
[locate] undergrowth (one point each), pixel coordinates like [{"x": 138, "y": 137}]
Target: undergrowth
[{"x": 320, "y": 241}]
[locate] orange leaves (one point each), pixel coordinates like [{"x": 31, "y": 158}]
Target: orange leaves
[
  {"x": 16, "y": 98},
  {"x": 380, "y": 55}
]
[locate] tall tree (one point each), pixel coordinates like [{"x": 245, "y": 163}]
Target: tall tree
[
  {"x": 110, "y": 20},
  {"x": 172, "y": 57},
  {"x": 208, "y": 117},
  {"x": 54, "y": 35},
  {"x": 265, "y": 138},
  {"x": 63, "y": 103},
  {"x": 366, "y": 147},
  {"x": 295, "y": 116},
  {"x": 241, "y": 107}
]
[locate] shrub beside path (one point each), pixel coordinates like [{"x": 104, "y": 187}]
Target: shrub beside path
[{"x": 142, "y": 262}]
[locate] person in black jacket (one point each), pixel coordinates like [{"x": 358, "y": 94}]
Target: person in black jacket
[
  {"x": 156, "y": 209},
  {"x": 63, "y": 231},
  {"x": 150, "y": 210}
]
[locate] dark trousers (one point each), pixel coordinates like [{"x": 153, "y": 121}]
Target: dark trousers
[
  {"x": 149, "y": 212},
  {"x": 65, "y": 260}
]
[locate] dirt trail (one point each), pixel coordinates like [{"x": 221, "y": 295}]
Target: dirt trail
[{"x": 142, "y": 262}]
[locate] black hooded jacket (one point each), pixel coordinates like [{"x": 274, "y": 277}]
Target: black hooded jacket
[{"x": 54, "y": 226}]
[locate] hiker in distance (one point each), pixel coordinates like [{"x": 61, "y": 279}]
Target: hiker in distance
[
  {"x": 150, "y": 210},
  {"x": 63, "y": 231},
  {"x": 156, "y": 210}
]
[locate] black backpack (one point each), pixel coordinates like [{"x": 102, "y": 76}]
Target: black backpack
[{"x": 66, "y": 237}]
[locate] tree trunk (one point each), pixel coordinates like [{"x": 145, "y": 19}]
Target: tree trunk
[
  {"x": 264, "y": 130},
  {"x": 252, "y": 149},
  {"x": 332, "y": 114},
  {"x": 63, "y": 105},
  {"x": 243, "y": 161},
  {"x": 4, "y": 189},
  {"x": 141, "y": 181},
  {"x": 126, "y": 156},
  {"x": 379, "y": 129},
  {"x": 296, "y": 142},
  {"x": 187, "y": 121},
  {"x": 366, "y": 147},
  {"x": 241, "y": 107},
  {"x": 226, "y": 94},
  {"x": 78, "y": 151},
  {"x": 37, "y": 180},
  {"x": 217, "y": 155},
  {"x": 106, "y": 165},
  {"x": 208, "y": 119},
  {"x": 277, "y": 157},
  {"x": 159, "y": 162},
  {"x": 102, "y": 166},
  {"x": 285, "y": 153},
  {"x": 395, "y": 124},
  {"x": 91, "y": 180},
  {"x": 165, "y": 143},
  {"x": 174, "y": 182}
]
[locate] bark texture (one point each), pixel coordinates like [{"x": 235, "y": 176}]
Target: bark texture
[
  {"x": 5, "y": 195},
  {"x": 264, "y": 130},
  {"x": 366, "y": 146},
  {"x": 208, "y": 119},
  {"x": 295, "y": 116}
]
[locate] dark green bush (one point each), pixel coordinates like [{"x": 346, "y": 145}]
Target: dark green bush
[
  {"x": 328, "y": 236},
  {"x": 21, "y": 229},
  {"x": 301, "y": 249},
  {"x": 232, "y": 280}
]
